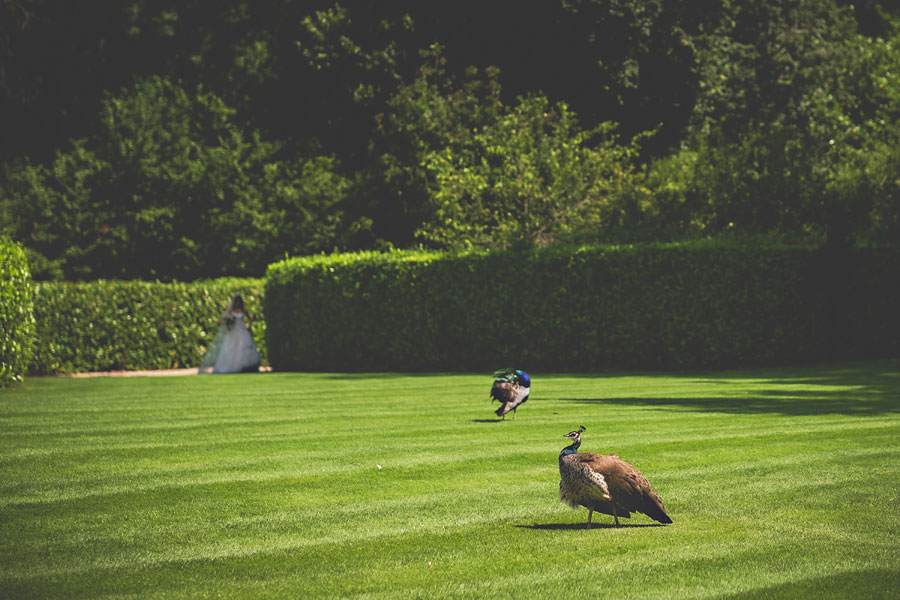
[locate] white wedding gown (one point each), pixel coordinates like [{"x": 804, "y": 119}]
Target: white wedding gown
[{"x": 232, "y": 350}]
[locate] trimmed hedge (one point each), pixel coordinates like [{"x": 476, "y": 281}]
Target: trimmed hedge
[
  {"x": 133, "y": 325},
  {"x": 702, "y": 304},
  {"x": 16, "y": 313}
]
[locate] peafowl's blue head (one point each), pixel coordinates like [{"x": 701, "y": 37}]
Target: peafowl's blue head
[{"x": 524, "y": 379}]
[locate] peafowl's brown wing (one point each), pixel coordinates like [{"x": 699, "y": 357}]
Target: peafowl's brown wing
[
  {"x": 510, "y": 396},
  {"x": 582, "y": 485},
  {"x": 628, "y": 487},
  {"x": 503, "y": 391}
]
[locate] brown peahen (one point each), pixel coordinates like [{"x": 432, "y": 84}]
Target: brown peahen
[
  {"x": 511, "y": 388},
  {"x": 606, "y": 484}
]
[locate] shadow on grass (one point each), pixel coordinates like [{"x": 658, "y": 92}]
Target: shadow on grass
[
  {"x": 866, "y": 583},
  {"x": 793, "y": 404},
  {"x": 863, "y": 390},
  {"x": 571, "y": 526},
  {"x": 487, "y": 420}
]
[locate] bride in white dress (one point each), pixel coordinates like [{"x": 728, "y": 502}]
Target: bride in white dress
[{"x": 232, "y": 350}]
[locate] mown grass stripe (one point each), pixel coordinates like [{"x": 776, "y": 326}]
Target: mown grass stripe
[{"x": 779, "y": 481}]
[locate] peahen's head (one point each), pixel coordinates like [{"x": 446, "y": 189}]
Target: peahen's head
[{"x": 575, "y": 436}]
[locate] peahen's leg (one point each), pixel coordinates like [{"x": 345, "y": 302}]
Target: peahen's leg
[
  {"x": 615, "y": 516},
  {"x": 590, "y": 514}
]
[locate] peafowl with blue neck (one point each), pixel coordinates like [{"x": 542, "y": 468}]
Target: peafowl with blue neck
[{"x": 511, "y": 389}]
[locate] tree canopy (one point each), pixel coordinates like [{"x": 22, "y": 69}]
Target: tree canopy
[{"x": 197, "y": 138}]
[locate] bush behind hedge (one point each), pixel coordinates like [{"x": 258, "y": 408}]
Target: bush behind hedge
[
  {"x": 134, "y": 325},
  {"x": 702, "y": 304},
  {"x": 16, "y": 313}
]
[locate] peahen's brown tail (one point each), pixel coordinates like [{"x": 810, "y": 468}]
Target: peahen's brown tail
[{"x": 653, "y": 508}]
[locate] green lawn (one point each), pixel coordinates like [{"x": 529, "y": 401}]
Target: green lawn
[{"x": 781, "y": 483}]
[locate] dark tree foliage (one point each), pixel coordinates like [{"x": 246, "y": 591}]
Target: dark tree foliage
[
  {"x": 773, "y": 117},
  {"x": 174, "y": 188}
]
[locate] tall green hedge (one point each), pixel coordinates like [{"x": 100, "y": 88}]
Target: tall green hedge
[
  {"x": 701, "y": 304},
  {"x": 133, "y": 325},
  {"x": 16, "y": 313}
]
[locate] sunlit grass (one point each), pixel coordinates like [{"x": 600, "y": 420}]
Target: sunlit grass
[{"x": 782, "y": 482}]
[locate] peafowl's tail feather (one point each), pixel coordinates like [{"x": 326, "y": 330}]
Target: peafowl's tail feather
[{"x": 507, "y": 375}]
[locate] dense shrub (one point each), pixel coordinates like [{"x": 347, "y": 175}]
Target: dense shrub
[
  {"x": 132, "y": 325},
  {"x": 686, "y": 305},
  {"x": 16, "y": 313},
  {"x": 171, "y": 187}
]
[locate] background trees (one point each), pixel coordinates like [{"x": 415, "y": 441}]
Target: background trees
[
  {"x": 172, "y": 187},
  {"x": 166, "y": 139}
]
